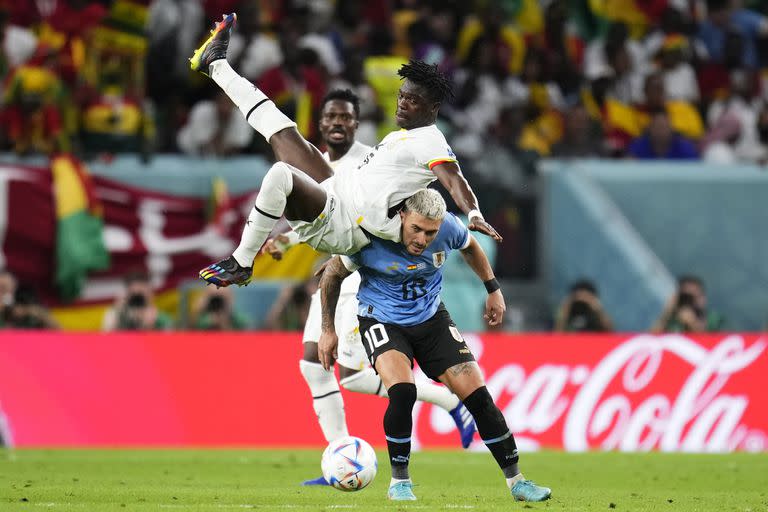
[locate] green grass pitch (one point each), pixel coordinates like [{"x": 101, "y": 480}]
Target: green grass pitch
[{"x": 220, "y": 480}]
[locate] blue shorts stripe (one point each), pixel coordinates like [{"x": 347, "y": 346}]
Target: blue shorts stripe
[
  {"x": 498, "y": 439},
  {"x": 400, "y": 440}
]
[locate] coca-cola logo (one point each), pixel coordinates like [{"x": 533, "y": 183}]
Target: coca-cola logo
[{"x": 667, "y": 392}]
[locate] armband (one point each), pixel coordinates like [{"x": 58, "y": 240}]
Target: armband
[{"x": 491, "y": 285}]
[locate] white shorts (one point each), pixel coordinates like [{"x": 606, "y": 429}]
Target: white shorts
[
  {"x": 351, "y": 351},
  {"x": 333, "y": 231}
]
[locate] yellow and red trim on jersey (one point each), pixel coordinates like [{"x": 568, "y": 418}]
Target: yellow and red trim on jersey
[{"x": 438, "y": 161}]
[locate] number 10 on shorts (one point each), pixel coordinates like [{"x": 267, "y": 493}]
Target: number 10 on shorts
[{"x": 376, "y": 336}]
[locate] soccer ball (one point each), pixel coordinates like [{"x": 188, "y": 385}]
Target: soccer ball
[{"x": 349, "y": 464}]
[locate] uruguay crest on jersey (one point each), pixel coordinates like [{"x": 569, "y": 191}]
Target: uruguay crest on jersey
[{"x": 438, "y": 258}]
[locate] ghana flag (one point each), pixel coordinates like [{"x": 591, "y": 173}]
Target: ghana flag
[{"x": 79, "y": 227}]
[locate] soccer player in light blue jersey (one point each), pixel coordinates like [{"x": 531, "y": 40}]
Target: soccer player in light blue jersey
[{"x": 402, "y": 319}]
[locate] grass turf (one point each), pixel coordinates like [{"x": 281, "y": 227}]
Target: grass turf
[{"x": 217, "y": 480}]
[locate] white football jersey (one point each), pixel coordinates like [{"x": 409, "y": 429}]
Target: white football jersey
[
  {"x": 345, "y": 165},
  {"x": 391, "y": 172}
]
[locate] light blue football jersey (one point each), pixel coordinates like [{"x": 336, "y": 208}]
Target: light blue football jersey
[{"x": 401, "y": 289}]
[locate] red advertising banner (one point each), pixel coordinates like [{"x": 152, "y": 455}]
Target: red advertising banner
[{"x": 573, "y": 392}]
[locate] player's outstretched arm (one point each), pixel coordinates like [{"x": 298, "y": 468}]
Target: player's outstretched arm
[
  {"x": 330, "y": 287},
  {"x": 454, "y": 182},
  {"x": 494, "y": 305}
]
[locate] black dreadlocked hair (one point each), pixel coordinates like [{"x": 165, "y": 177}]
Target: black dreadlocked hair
[
  {"x": 430, "y": 77},
  {"x": 343, "y": 95}
]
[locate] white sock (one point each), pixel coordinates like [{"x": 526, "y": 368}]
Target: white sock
[
  {"x": 260, "y": 112},
  {"x": 512, "y": 481},
  {"x": 270, "y": 204},
  {"x": 366, "y": 381},
  {"x": 326, "y": 399},
  {"x": 438, "y": 395}
]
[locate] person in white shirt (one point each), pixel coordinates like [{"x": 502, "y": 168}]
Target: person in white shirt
[
  {"x": 336, "y": 215},
  {"x": 214, "y": 127},
  {"x": 338, "y": 125}
]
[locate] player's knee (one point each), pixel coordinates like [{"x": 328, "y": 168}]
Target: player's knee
[
  {"x": 320, "y": 381},
  {"x": 402, "y": 395},
  {"x": 279, "y": 177}
]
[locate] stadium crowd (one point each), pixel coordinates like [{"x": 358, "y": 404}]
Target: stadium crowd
[{"x": 660, "y": 79}]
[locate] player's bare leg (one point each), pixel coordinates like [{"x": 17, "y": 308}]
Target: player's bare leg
[
  {"x": 260, "y": 112},
  {"x": 284, "y": 190},
  {"x": 466, "y": 380},
  {"x": 289, "y": 147}
]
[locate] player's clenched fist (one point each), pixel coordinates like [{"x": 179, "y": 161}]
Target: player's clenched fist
[{"x": 327, "y": 349}]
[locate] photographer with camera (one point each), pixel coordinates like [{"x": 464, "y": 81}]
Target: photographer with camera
[
  {"x": 25, "y": 311},
  {"x": 215, "y": 312},
  {"x": 135, "y": 310},
  {"x": 7, "y": 295},
  {"x": 686, "y": 310},
  {"x": 582, "y": 311}
]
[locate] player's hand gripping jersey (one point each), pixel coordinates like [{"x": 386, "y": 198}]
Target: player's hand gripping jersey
[
  {"x": 399, "y": 288},
  {"x": 391, "y": 172}
]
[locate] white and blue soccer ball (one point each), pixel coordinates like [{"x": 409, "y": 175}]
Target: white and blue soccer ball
[{"x": 349, "y": 464}]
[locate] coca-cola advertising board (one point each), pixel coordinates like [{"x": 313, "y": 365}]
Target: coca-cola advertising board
[{"x": 633, "y": 392}]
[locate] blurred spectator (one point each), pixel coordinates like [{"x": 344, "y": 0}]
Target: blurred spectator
[
  {"x": 680, "y": 81},
  {"x": 298, "y": 85},
  {"x": 562, "y": 49},
  {"x": 27, "y": 312},
  {"x": 740, "y": 104},
  {"x": 503, "y": 165},
  {"x": 115, "y": 120},
  {"x": 66, "y": 29},
  {"x": 726, "y": 16},
  {"x": 19, "y": 44},
  {"x": 173, "y": 28},
  {"x": 619, "y": 121},
  {"x": 674, "y": 19},
  {"x": 32, "y": 106},
  {"x": 718, "y": 146},
  {"x": 684, "y": 116},
  {"x": 289, "y": 313},
  {"x": 215, "y": 128},
  {"x": 491, "y": 21},
  {"x": 661, "y": 142},
  {"x": 627, "y": 82},
  {"x": 253, "y": 48},
  {"x": 134, "y": 309},
  {"x": 762, "y": 131},
  {"x": 582, "y": 137},
  {"x": 596, "y": 59},
  {"x": 7, "y": 294},
  {"x": 371, "y": 114},
  {"x": 479, "y": 95},
  {"x": 581, "y": 310},
  {"x": 686, "y": 310},
  {"x": 214, "y": 311}
]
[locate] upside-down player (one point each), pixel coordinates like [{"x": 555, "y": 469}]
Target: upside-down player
[
  {"x": 338, "y": 125},
  {"x": 338, "y": 215}
]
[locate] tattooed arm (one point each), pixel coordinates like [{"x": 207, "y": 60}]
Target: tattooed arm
[{"x": 330, "y": 286}]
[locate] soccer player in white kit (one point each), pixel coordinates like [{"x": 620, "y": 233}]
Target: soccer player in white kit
[
  {"x": 336, "y": 215},
  {"x": 338, "y": 124}
]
